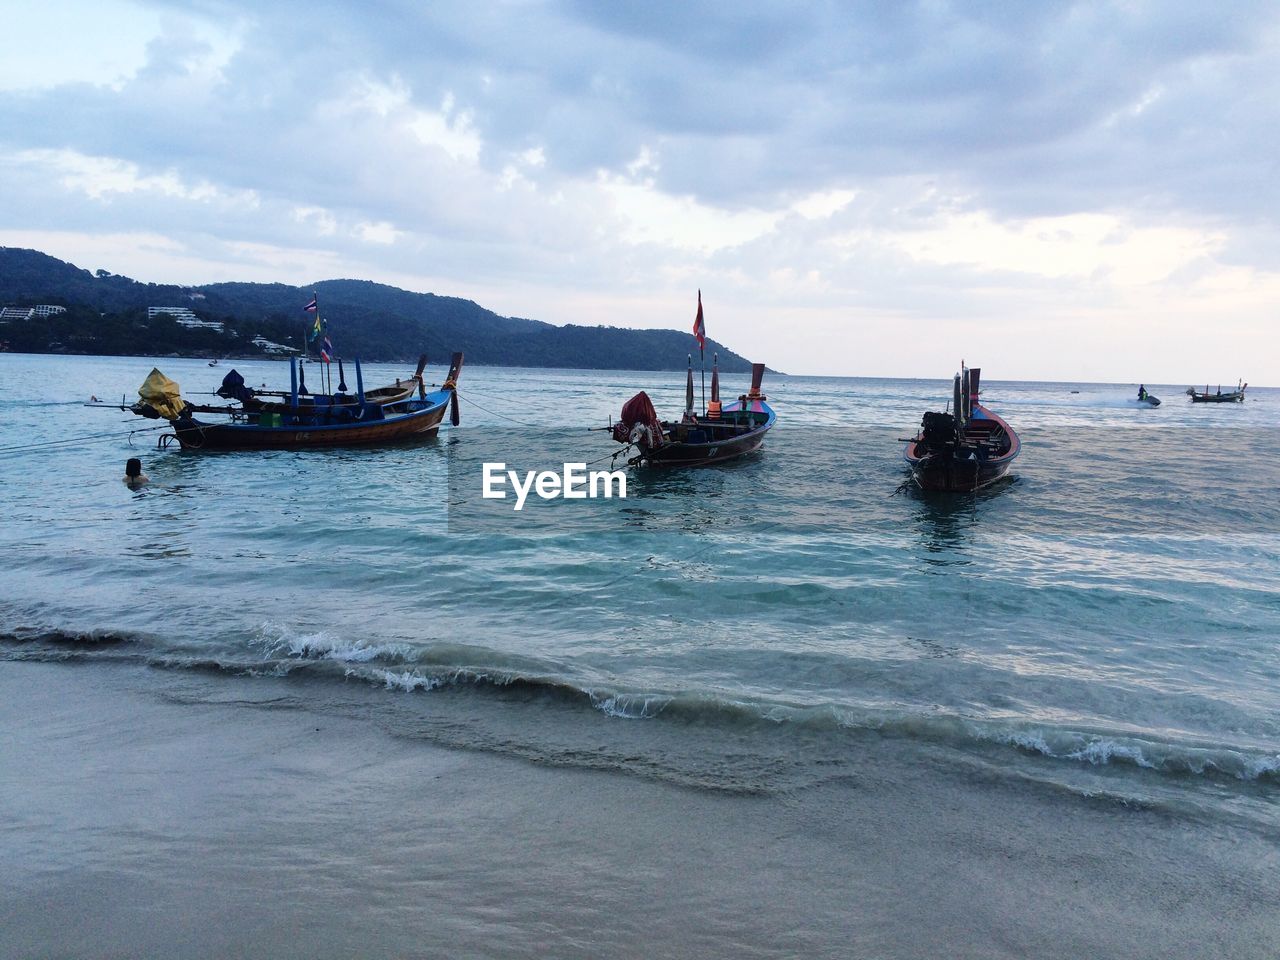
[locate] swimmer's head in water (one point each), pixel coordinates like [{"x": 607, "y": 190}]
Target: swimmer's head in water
[{"x": 133, "y": 468}]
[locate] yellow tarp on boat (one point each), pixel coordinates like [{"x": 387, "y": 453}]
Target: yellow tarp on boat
[{"x": 162, "y": 394}]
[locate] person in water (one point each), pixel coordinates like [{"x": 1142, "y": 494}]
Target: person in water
[{"x": 133, "y": 475}]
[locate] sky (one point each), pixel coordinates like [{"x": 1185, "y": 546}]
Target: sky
[{"x": 1048, "y": 190}]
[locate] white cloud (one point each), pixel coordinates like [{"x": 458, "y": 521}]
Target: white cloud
[
  {"x": 99, "y": 178},
  {"x": 824, "y": 203},
  {"x": 319, "y": 219},
  {"x": 1077, "y": 245},
  {"x": 381, "y": 232},
  {"x": 852, "y": 189},
  {"x": 75, "y": 41},
  {"x": 650, "y": 216}
]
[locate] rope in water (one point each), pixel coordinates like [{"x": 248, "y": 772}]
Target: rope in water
[
  {"x": 607, "y": 456},
  {"x": 460, "y": 396},
  {"x": 88, "y": 438}
]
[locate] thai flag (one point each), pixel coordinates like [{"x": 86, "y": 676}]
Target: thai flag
[
  {"x": 326, "y": 350},
  {"x": 700, "y": 325},
  {"x": 311, "y": 307}
]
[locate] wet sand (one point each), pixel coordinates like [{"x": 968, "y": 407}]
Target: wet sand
[{"x": 135, "y": 824}]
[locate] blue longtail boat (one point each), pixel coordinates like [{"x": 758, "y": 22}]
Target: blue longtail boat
[{"x": 304, "y": 420}]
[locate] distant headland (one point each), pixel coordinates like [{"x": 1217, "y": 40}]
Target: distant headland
[{"x": 50, "y": 306}]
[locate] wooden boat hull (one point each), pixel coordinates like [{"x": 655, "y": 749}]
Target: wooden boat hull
[
  {"x": 962, "y": 471},
  {"x": 703, "y": 454},
  {"x": 1232, "y": 397},
  {"x": 954, "y": 475},
  {"x": 419, "y": 420},
  {"x": 682, "y": 453}
]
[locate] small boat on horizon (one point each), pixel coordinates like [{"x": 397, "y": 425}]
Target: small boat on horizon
[
  {"x": 965, "y": 449},
  {"x": 1231, "y": 396}
]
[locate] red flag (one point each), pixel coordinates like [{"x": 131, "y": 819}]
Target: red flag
[{"x": 700, "y": 326}]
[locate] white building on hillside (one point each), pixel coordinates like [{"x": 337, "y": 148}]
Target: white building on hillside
[
  {"x": 43, "y": 311},
  {"x": 270, "y": 346},
  {"x": 185, "y": 318}
]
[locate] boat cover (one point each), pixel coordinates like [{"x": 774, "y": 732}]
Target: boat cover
[
  {"x": 638, "y": 412},
  {"x": 162, "y": 394},
  {"x": 233, "y": 388}
]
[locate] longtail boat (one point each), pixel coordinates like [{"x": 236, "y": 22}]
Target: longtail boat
[
  {"x": 303, "y": 422},
  {"x": 1231, "y": 396},
  {"x": 720, "y": 433},
  {"x": 965, "y": 449}
]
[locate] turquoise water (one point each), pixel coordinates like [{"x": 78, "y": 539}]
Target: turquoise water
[{"x": 1105, "y": 622}]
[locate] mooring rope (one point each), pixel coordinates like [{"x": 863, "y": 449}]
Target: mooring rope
[
  {"x": 87, "y": 438},
  {"x": 491, "y": 413}
]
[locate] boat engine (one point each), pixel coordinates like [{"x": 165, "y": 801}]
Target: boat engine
[
  {"x": 638, "y": 423},
  {"x": 233, "y": 388},
  {"x": 938, "y": 430}
]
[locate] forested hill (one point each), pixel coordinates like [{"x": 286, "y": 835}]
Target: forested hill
[{"x": 108, "y": 314}]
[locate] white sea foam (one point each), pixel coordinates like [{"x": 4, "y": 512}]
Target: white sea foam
[
  {"x": 1166, "y": 757},
  {"x": 630, "y": 706},
  {"x": 408, "y": 681},
  {"x": 279, "y": 640},
  {"x": 1257, "y": 767}
]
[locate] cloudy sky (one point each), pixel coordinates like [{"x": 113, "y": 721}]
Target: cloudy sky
[{"x": 1050, "y": 190}]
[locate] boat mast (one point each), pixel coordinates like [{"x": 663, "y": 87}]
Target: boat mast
[
  {"x": 702, "y": 353},
  {"x": 688, "y": 391}
]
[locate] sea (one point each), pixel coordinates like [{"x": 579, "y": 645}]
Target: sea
[{"x": 1102, "y": 624}]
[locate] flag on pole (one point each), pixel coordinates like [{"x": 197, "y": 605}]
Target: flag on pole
[
  {"x": 700, "y": 326},
  {"x": 316, "y": 327},
  {"x": 326, "y": 350}
]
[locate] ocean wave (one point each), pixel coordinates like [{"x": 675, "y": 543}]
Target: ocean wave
[
  {"x": 406, "y": 668},
  {"x": 278, "y": 640},
  {"x": 88, "y": 640},
  {"x": 1163, "y": 757},
  {"x": 629, "y": 707}
]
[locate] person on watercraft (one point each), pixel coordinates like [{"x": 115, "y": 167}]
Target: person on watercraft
[{"x": 1142, "y": 392}]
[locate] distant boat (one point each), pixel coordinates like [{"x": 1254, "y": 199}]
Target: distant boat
[
  {"x": 322, "y": 421},
  {"x": 213, "y": 362},
  {"x": 718, "y": 434},
  {"x": 1231, "y": 396},
  {"x": 966, "y": 449}
]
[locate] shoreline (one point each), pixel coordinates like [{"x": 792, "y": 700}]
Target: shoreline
[{"x": 154, "y": 814}]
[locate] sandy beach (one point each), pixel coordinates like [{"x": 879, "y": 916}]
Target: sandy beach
[{"x": 138, "y": 823}]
